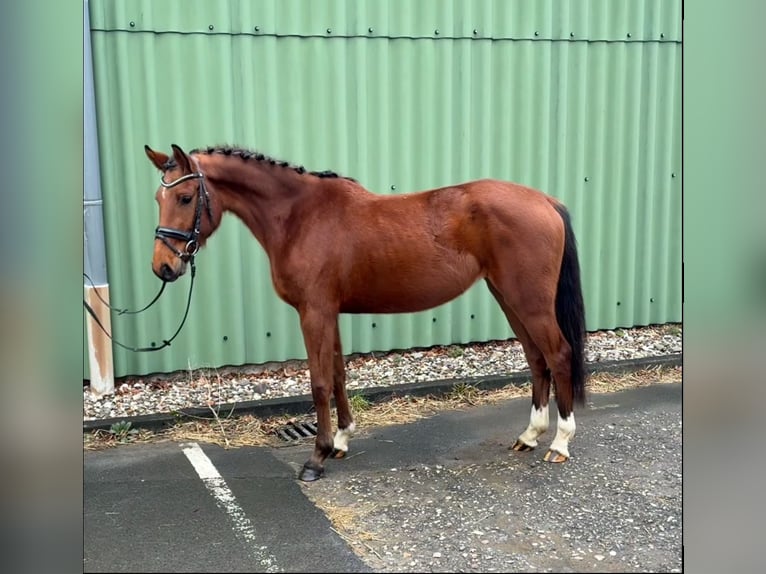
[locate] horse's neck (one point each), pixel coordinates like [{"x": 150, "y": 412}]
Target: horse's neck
[{"x": 260, "y": 194}]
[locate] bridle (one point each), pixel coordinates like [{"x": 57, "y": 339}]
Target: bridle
[
  {"x": 165, "y": 233},
  {"x": 187, "y": 256}
]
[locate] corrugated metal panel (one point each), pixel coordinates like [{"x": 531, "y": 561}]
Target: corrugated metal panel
[{"x": 400, "y": 109}]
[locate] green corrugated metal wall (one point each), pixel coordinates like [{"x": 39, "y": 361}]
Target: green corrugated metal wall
[{"x": 579, "y": 99}]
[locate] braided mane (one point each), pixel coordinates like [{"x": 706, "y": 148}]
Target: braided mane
[{"x": 249, "y": 155}]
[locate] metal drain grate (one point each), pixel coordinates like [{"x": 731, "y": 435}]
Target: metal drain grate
[{"x": 297, "y": 431}]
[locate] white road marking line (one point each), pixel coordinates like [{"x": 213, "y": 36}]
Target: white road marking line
[{"x": 224, "y": 498}]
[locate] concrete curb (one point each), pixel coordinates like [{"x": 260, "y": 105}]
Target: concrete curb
[{"x": 303, "y": 404}]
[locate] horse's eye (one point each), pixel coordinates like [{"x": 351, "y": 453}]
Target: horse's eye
[{"x": 185, "y": 199}]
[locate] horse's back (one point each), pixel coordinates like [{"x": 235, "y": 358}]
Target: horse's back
[{"x": 474, "y": 219}]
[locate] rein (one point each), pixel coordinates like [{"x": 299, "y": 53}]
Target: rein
[
  {"x": 190, "y": 250},
  {"x": 125, "y": 311},
  {"x": 165, "y": 342}
]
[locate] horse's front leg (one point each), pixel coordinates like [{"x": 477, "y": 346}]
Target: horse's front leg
[
  {"x": 346, "y": 425},
  {"x": 319, "y": 337}
]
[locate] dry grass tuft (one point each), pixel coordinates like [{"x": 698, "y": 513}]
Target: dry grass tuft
[
  {"x": 611, "y": 382},
  {"x": 101, "y": 439},
  {"x": 233, "y": 432},
  {"x": 344, "y": 523},
  {"x": 344, "y": 518}
]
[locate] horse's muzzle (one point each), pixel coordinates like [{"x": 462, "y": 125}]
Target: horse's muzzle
[{"x": 168, "y": 274}]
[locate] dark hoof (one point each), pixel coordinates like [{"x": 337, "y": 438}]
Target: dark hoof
[
  {"x": 555, "y": 457},
  {"x": 338, "y": 453},
  {"x": 308, "y": 474},
  {"x": 519, "y": 446}
]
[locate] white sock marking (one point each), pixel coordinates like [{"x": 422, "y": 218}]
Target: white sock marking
[
  {"x": 340, "y": 441},
  {"x": 224, "y": 498},
  {"x": 538, "y": 424},
  {"x": 565, "y": 432}
]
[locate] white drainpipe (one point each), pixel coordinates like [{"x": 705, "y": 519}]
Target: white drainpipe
[{"x": 99, "y": 345}]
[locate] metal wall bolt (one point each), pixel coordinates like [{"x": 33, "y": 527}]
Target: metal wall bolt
[
  {"x": 672, "y": 175},
  {"x": 662, "y": 35},
  {"x": 210, "y": 27},
  {"x": 132, "y": 24},
  {"x": 436, "y": 32},
  {"x": 537, "y": 33},
  {"x": 587, "y": 178},
  {"x": 374, "y": 325},
  {"x": 225, "y": 338},
  {"x": 329, "y": 30},
  {"x": 629, "y": 35},
  {"x": 370, "y": 30},
  {"x": 393, "y": 188},
  {"x": 268, "y": 333},
  {"x": 257, "y": 29},
  {"x": 475, "y": 31},
  {"x": 571, "y": 34}
]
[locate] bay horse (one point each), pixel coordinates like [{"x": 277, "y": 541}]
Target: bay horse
[{"x": 334, "y": 247}]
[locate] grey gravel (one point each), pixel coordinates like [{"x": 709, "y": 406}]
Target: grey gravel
[{"x": 168, "y": 393}]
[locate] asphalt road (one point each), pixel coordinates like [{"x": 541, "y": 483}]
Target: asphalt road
[{"x": 442, "y": 494}]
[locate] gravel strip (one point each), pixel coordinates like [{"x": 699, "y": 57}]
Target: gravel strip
[{"x": 168, "y": 393}]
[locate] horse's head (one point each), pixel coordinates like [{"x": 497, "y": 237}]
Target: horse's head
[{"x": 186, "y": 218}]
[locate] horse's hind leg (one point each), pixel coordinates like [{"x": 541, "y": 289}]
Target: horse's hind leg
[
  {"x": 533, "y": 307},
  {"x": 543, "y": 330},
  {"x": 346, "y": 426},
  {"x": 547, "y": 335},
  {"x": 541, "y": 379}
]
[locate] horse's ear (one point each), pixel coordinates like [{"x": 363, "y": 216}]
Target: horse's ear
[
  {"x": 182, "y": 159},
  {"x": 158, "y": 158}
]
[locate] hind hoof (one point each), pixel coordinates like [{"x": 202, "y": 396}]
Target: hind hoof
[
  {"x": 336, "y": 453},
  {"x": 308, "y": 474},
  {"x": 519, "y": 446},
  {"x": 555, "y": 456}
]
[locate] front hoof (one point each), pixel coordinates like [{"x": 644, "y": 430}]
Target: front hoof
[
  {"x": 555, "y": 456},
  {"x": 309, "y": 474},
  {"x": 337, "y": 453},
  {"x": 519, "y": 446}
]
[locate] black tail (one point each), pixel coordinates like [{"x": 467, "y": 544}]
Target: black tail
[{"x": 570, "y": 309}]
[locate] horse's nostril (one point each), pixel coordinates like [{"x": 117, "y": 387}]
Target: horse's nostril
[{"x": 166, "y": 272}]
